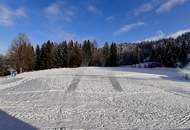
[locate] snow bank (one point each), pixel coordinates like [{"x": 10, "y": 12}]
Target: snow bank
[
  {"x": 147, "y": 65},
  {"x": 185, "y": 72}
]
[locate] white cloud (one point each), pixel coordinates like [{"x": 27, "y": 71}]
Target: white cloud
[
  {"x": 144, "y": 8},
  {"x": 169, "y": 4},
  {"x": 93, "y": 9},
  {"x": 21, "y": 12},
  {"x": 147, "y": 7},
  {"x": 161, "y": 34},
  {"x": 128, "y": 27},
  {"x": 60, "y": 10},
  {"x": 54, "y": 9},
  {"x": 158, "y": 6},
  {"x": 59, "y": 34},
  {"x": 7, "y": 15}
]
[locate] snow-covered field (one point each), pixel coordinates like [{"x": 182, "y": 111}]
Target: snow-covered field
[{"x": 95, "y": 98}]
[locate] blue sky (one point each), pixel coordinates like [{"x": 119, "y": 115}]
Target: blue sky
[{"x": 103, "y": 20}]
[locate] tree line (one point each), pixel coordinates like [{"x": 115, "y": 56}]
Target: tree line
[{"x": 23, "y": 56}]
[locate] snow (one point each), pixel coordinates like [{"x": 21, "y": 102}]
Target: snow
[
  {"x": 96, "y": 98},
  {"x": 185, "y": 72}
]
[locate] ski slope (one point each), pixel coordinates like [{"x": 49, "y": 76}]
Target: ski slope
[{"x": 95, "y": 98}]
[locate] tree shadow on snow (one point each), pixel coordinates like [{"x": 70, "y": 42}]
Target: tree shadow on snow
[{"x": 8, "y": 122}]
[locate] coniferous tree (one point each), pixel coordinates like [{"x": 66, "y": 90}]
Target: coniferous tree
[
  {"x": 38, "y": 58},
  {"x": 47, "y": 55},
  {"x": 61, "y": 55},
  {"x": 75, "y": 57},
  {"x": 3, "y": 65},
  {"x": 113, "y": 55},
  {"x": 87, "y": 52},
  {"x": 106, "y": 54},
  {"x": 70, "y": 49}
]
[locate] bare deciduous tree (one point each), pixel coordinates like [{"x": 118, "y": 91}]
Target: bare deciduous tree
[{"x": 21, "y": 54}]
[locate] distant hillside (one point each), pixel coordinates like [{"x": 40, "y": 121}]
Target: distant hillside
[{"x": 169, "y": 52}]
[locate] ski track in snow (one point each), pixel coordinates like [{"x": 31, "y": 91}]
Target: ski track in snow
[{"x": 98, "y": 98}]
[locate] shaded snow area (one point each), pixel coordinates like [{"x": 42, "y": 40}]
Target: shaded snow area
[
  {"x": 185, "y": 72},
  {"x": 95, "y": 98}
]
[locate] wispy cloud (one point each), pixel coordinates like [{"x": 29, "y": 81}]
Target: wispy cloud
[
  {"x": 54, "y": 9},
  {"x": 145, "y": 8},
  {"x": 160, "y": 34},
  {"x": 110, "y": 18},
  {"x": 169, "y": 4},
  {"x": 60, "y": 10},
  {"x": 66, "y": 35},
  {"x": 7, "y": 15},
  {"x": 128, "y": 27},
  {"x": 93, "y": 9},
  {"x": 158, "y": 6},
  {"x": 59, "y": 34},
  {"x": 21, "y": 12}
]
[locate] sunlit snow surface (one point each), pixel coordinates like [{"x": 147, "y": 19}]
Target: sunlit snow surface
[{"x": 98, "y": 98}]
